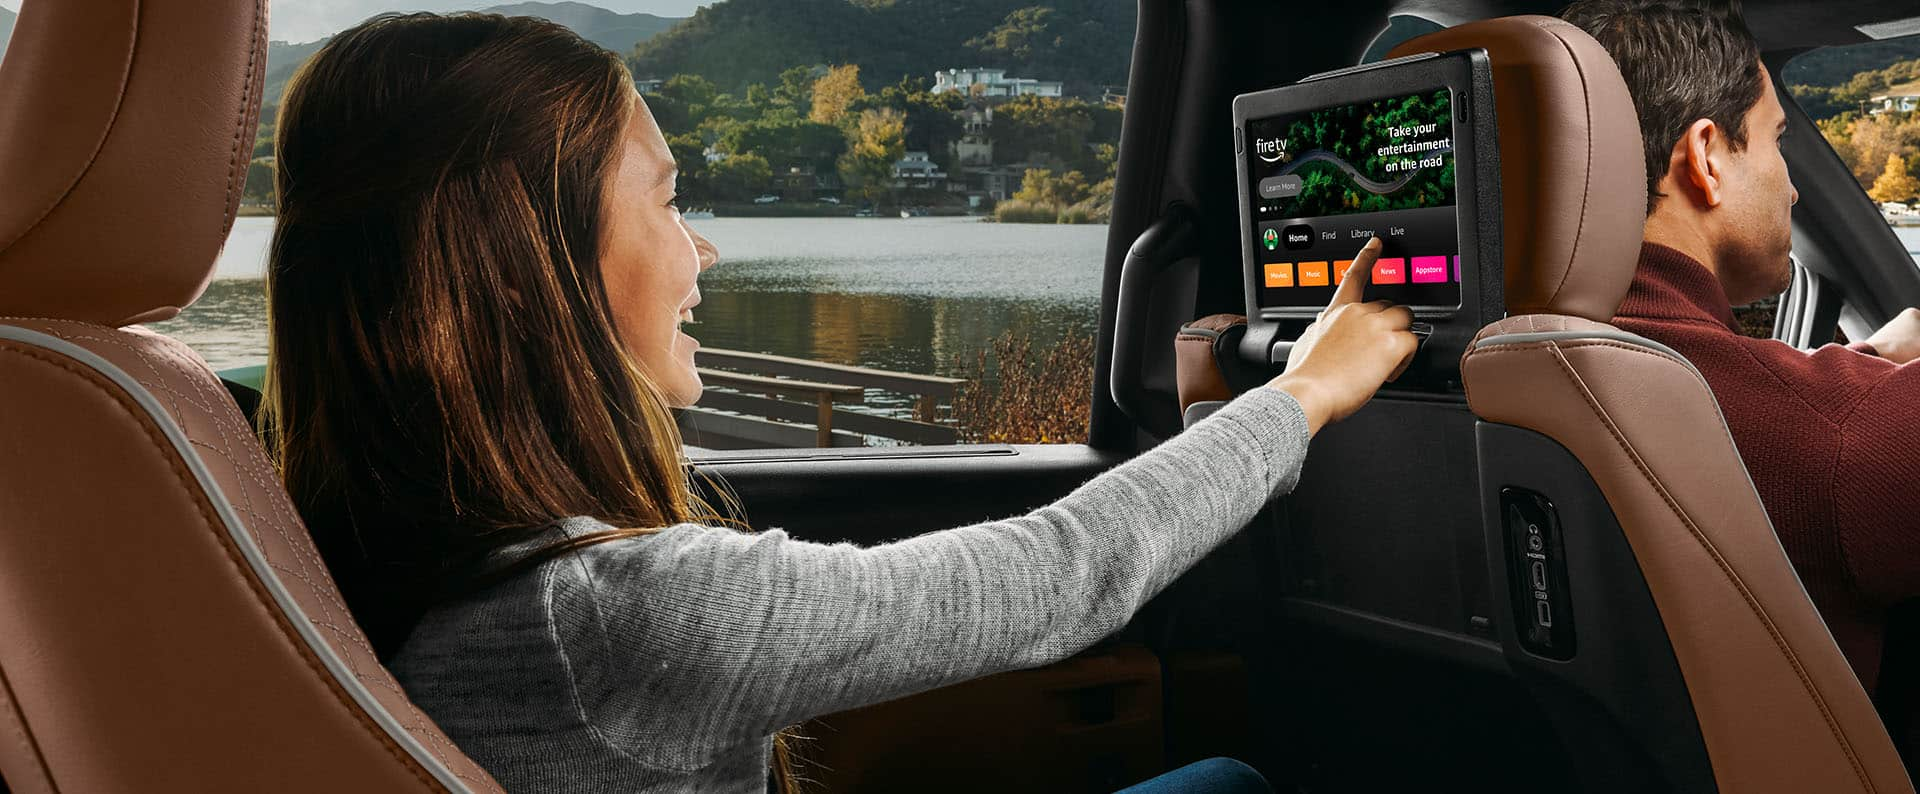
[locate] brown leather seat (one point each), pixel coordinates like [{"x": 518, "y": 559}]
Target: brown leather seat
[
  {"x": 167, "y": 624},
  {"x": 1774, "y": 703}
]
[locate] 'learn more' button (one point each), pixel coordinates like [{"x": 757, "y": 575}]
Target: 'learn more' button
[{"x": 1279, "y": 274}]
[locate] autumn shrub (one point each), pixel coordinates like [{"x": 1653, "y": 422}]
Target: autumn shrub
[
  {"x": 1076, "y": 214},
  {"x": 1016, "y": 394},
  {"x": 1019, "y": 211}
]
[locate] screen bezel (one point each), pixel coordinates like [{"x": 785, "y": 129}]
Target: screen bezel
[{"x": 1385, "y": 80}]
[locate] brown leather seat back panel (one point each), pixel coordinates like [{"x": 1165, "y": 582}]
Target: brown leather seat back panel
[
  {"x": 168, "y": 623},
  {"x": 1572, "y": 173},
  {"x": 144, "y": 652},
  {"x": 1778, "y": 706}
]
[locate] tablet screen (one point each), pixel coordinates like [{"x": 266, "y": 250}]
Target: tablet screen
[{"x": 1323, "y": 181}]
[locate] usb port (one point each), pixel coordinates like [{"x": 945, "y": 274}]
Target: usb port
[
  {"x": 1543, "y": 614},
  {"x": 1539, "y": 576}
]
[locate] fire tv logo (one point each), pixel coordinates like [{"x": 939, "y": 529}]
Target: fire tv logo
[{"x": 1276, "y": 147}]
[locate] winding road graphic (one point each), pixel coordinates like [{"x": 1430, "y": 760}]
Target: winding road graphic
[{"x": 1366, "y": 183}]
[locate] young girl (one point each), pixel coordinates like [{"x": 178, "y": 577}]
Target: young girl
[{"x": 477, "y": 282}]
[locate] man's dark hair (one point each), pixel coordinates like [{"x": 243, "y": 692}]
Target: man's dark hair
[{"x": 1683, "y": 61}]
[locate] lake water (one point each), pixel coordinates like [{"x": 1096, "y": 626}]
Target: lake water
[{"x": 912, "y": 295}]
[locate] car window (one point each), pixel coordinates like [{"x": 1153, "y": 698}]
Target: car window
[
  {"x": 909, "y": 200},
  {"x": 1865, "y": 98}
]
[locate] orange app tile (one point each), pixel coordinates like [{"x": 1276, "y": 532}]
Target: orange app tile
[
  {"x": 1313, "y": 274},
  {"x": 1340, "y": 268},
  {"x": 1280, "y": 274}
]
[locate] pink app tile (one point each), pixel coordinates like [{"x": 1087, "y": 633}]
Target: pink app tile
[
  {"x": 1429, "y": 269},
  {"x": 1390, "y": 271}
]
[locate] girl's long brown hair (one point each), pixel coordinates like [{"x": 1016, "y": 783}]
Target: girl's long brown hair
[{"x": 444, "y": 374}]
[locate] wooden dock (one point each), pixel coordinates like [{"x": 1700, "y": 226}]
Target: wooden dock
[
  {"x": 758, "y": 401},
  {"x": 761, "y": 401}
]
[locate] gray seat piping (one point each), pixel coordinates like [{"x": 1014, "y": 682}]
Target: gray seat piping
[{"x": 249, "y": 549}]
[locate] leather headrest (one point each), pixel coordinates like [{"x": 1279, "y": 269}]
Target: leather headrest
[
  {"x": 1572, "y": 175},
  {"x": 125, "y": 132}
]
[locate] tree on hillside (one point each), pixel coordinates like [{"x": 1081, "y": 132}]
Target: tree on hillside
[
  {"x": 689, "y": 156},
  {"x": 1874, "y": 138},
  {"x": 1086, "y": 43},
  {"x": 1896, "y": 182},
  {"x": 1040, "y": 128},
  {"x": 759, "y": 98},
  {"x": 260, "y": 178},
  {"x": 874, "y": 143},
  {"x": 835, "y": 92},
  {"x": 739, "y": 177},
  {"x": 796, "y": 88},
  {"x": 696, "y": 91},
  {"x": 786, "y": 141},
  {"x": 1838, "y": 131},
  {"x": 932, "y": 125},
  {"x": 1022, "y": 34}
]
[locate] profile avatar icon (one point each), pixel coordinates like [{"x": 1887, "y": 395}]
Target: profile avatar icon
[{"x": 1271, "y": 238}]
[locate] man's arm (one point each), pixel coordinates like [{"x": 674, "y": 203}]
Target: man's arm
[
  {"x": 1898, "y": 341},
  {"x": 1876, "y": 488}
]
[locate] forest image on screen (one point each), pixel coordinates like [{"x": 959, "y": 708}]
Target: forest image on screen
[{"x": 1388, "y": 154}]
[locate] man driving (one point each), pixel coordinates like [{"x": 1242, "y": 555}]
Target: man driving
[{"x": 1828, "y": 436}]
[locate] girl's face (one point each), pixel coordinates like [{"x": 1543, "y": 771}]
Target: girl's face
[{"x": 650, "y": 259}]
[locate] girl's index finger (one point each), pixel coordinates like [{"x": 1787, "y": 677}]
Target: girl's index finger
[{"x": 1355, "y": 281}]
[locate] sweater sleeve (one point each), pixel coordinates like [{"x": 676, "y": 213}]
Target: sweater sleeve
[
  {"x": 724, "y": 637},
  {"x": 1876, "y": 488}
]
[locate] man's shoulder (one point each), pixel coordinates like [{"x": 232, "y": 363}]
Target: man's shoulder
[{"x": 1744, "y": 371}]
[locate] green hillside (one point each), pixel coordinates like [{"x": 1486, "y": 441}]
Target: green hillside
[
  {"x": 1831, "y": 81},
  {"x": 735, "y": 43}
]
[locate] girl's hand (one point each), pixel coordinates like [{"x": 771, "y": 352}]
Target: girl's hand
[{"x": 1353, "y": 348}]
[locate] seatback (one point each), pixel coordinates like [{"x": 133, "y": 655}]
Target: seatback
[
  {"x": 167, "y": 624},
  {"x": 1567, "y": 558}
]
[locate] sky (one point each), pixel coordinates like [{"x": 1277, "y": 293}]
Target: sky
[{"x": 308, "y": 20}]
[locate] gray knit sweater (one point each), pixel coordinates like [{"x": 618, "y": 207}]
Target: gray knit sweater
[{"x": 666, "y": 662}]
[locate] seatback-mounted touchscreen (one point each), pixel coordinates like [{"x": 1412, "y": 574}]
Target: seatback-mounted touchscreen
[{"x": 1403, "y": 150}]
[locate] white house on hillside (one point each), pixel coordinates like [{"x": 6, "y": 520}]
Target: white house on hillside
[
  {"x": 918, "y": 171},
  {"x": 1898, "y": 99},
  {"x": 993, "y": 82}
]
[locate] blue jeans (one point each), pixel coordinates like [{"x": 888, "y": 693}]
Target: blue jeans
[{"x": 1212, "y": 776}]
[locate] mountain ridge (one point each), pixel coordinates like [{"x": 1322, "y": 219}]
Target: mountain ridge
[{"x": 615, "y": 31}]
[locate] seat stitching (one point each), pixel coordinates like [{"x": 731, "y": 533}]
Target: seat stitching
[
  {"x": 249, "y": 118},
  {"x": 322, "y": 603},
  {"x": 203, "y": 504},
  {"x": 1726, "y": 569}
]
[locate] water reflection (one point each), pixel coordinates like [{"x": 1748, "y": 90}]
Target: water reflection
[{"x": 908, "y": 295}]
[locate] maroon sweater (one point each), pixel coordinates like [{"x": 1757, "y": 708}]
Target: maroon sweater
[{"x": 1829, "y": 437}]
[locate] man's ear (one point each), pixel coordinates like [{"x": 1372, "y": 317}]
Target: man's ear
[{"x": 1698, "y": 162}]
